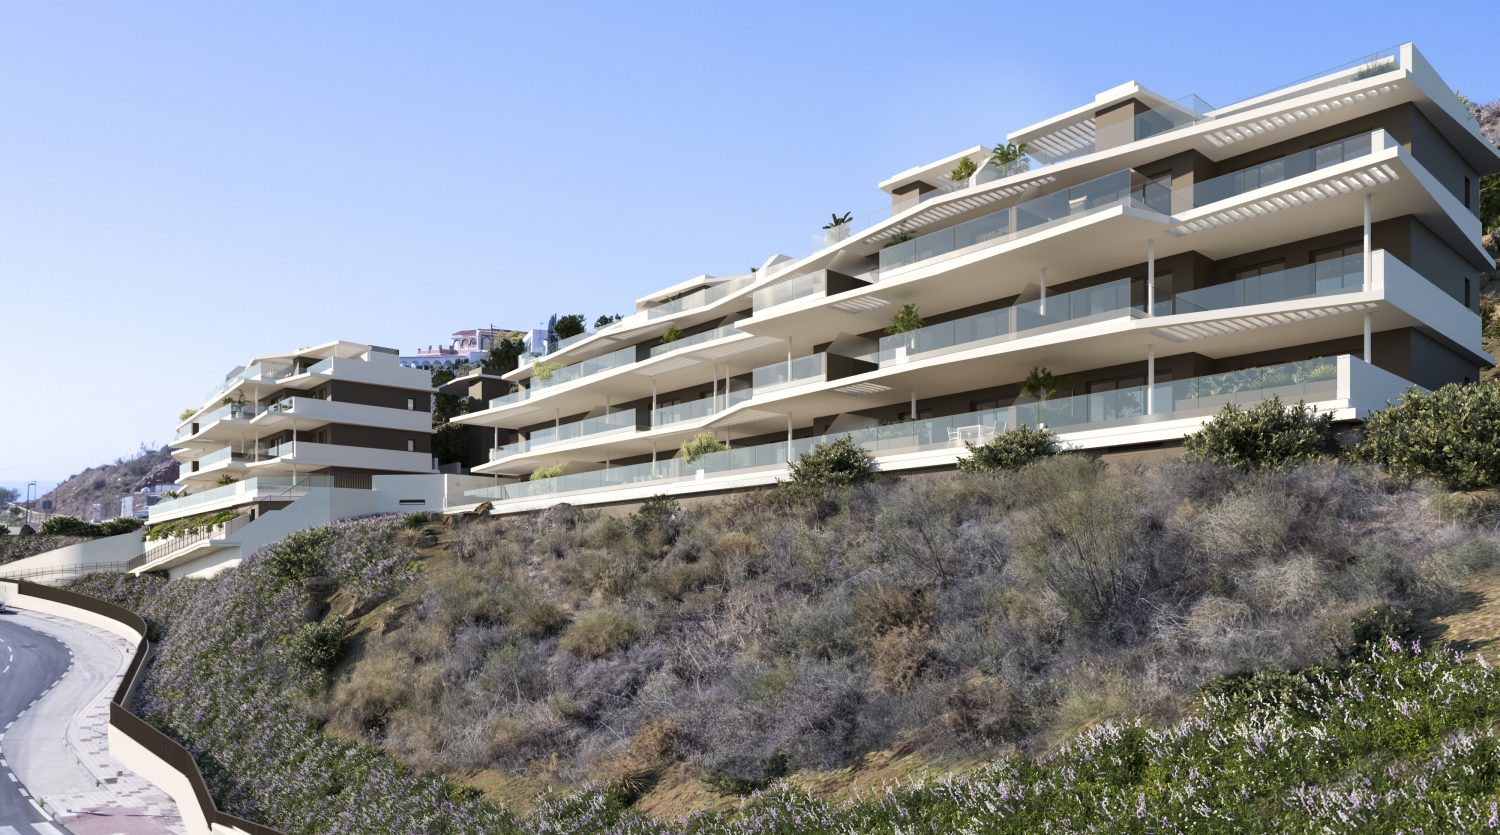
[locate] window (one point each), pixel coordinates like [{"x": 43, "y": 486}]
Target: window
[
  {"x": 411, "y": 404},
  {"x": 411, "y": 445},
  {"x": 922, "y": 414}
]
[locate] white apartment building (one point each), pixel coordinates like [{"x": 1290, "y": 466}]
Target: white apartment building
[
  {"x": 290, "y": 441},
  {"x": 1162, "y": 257}
]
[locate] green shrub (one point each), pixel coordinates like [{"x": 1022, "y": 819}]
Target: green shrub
[
  {"x": 671, "y": 334},
  {"x": 549, "y": 471},
  {"x": 190, "y": 524},
  {"x": 701, "y": 444},
  {"x": 300, "y": 557},
  {"x": 600, "y": 633},
  {"x": 316, "y": 647},
  {"x": 1009, "y": 451},
  {"x": 836, "y": 463},
  {"x": 1269, "y": 436},
  {"x": 905, "y": 320},
  {"x": 1448, "y": 435},
  {"x": 68, "y": 526}
]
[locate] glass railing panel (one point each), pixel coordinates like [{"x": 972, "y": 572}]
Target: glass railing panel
[
  {"x": 1310, "y": 380},
  {"x": 796, "y": 288},
  {"x": 319, "y": 367},
  {"x": 1274, "y": 171},
  {"x": 1178, "y": 114},
  {"x": 582, "y": 428},
  {"x": 695, "y": 339},
  {"x": 579, "y": 370},
  {"x": 1337, "y": 275},
  {"x": 693, "y": 410},
  {"x": 507, "y": 450},
  {"x": 1006, "y": 224},
  {"x": 248, "y": 487},
  {"x": 781, "y": 373},
  {"x": 1104, "y": 299},
  {"x": 698, "y": 298},
  {"x": 506, "y": 399}
]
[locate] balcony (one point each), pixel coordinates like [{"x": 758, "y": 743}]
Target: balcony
[
  {"x": 695, "y": 339},
  {"x": 815, "y": 284},
  {"x": 801, "y": 370},
  {"x": 699, "y": 298},
  {"x": 1239, "y": 182},
  {"x": 589, "y": 427},
  {"x": 1123, "y": 188},
  {"x": 228, "y": 411},
  {"x": 697, "y": 409},
  {"x": 517, "y": 396},
  {"x": 217, "y": 458},
  {"x": 1105, "y": 300},
  {"x": 1337, "y": 275},
  {"x": 1065, "y": 141},
  {"x": 251, "y": 489},
  {"x": 579, "y": 370},
  {"x": 1336, "y": 379}
]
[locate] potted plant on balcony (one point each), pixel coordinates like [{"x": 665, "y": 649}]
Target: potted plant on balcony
[
  {"x": 837, "y": 228},
  {"x": 701, "y": 444},
  {"x": 963, "y": 171},
  {"x": 1040, "y": 385},
  {"x": 672, "y": 334},
  {"x": 1009, "y": 158},
  {"x": 905, "y": 320},
  {"x": 544, "y": 370},
  {"x": 236, "y": 406}
]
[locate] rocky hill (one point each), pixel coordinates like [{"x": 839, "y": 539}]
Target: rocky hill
[{"x": 108, "y": 483}]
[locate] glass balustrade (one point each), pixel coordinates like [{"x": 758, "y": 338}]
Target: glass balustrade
[
  {"x": 221, "y": 455},
  {"x": 1310, "y": 380},
  {"x": 698, "y": 409},
  {"x": 516, "y": 396},
  {"x": 782, "y": 373},
  {"x": 579, "y": 370},
  {"x": 1115, "y": 297},
  {"x": 699, "y": 298},
  {"x": 796, "y": 288},
  {"x": 1120, "y": 188},
  {"x": 1285, "y": 168},
  {"x": 1336, "y": 275},
  {"x": 695, "y": 339},
  {"x": 578, "y": 429},
  {"x": 249, "y": 487}
]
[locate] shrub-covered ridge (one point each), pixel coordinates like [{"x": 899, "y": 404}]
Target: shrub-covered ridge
[{"x": 971, "y": 615}]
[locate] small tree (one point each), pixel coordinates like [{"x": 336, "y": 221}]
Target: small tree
[
  {"x": 568, "y": 326},
  {"x": 186, "y": 413},
  {"x": 450, "y": 443},
  {"x": 607, "y": 319},
  {"x": 225, "y": 480},
  {"x": 904, "y": 321},
  {"x": 1041, "y": 384},
  {"x": 1270, "y": 436},
  {"x": 1448, "y": 435},
  {"x": 836, "y": 463},
  {"x": 1008, "y": 152},
  {"x": 504, "y": 355},
  {"x": 963, "y": 171},
  {"x": 1009, "y": 451},
  {"x": 701, "y": 444},
  {"x": 672, "y": 334}
]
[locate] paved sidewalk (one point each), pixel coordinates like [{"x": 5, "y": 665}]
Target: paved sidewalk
[{"x": 60, "y": 747}]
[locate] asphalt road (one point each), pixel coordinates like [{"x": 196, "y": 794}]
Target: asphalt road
[{"x": 30, "y": 663}]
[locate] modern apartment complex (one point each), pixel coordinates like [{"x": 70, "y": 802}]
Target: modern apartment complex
[
  {"x": 1159, "y": 258},
  {"x": 291, "y": 440}
]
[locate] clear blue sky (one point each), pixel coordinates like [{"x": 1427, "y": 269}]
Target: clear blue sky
[{"x": 184, "y": 185}]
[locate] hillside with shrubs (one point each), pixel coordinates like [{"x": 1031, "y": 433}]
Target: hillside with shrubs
[{"x": 1227, "y": 641}]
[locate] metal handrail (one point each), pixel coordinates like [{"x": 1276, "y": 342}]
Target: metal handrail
[{"x": 60, "y": 570}]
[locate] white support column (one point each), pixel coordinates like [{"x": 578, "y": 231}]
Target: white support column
[
  {"x": 789, "y": 437},
  {"x": 913, "y": 413},
  {"x": 1367, "y": 337},
  {"x": 1044, "y": 292},
  {"x": 789, "y": 362},
  {"x": 1151, "y": 277},
  {"x": 1150, "y": 379},
  {"x": 653, "y": 403},
  {"x": 1368, "y": 198},
  {"x": 606, "y": 405},
  {"x": 716, "y": 383}
]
